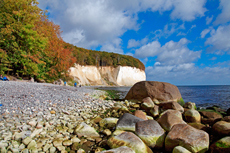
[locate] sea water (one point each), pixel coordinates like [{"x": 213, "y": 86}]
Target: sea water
[{"x": 203, "y": 96}]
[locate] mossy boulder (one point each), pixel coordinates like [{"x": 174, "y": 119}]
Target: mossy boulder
[
  {"x": 130, "y": 140},
  {"x": 221, "y": 146}
]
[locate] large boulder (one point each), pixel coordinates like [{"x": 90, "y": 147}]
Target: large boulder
[
  {"x": 179, "y": 149},
  {"x": 171, "y": 105},
  {"x": 130, "y": 140},
  {"x": 161, "y": 91},
  {"x": 221, "y": 146},
  {"x": 210, "y": 117},
  {"x": 151, "y": 133},
  {"x": 170, "y": 118},
  {"x": 127, "y": 122},
  {"x": 188, "y": 137},
  {"x": 192, "y": 116},
  {"x": 122, "y": 149},
  {"x": 221, "y": 128}
]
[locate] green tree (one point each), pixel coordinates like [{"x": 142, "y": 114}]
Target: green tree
[{"x": 20, "y": 40}]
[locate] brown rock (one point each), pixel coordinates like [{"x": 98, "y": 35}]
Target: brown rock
[
  {"x": 210, "y": 117},
  {"x": 151, "y": 133},
  {"x": 188, "y": 137},
  {"x": 161, "y": 91},
  {"x": 200, "y": 126},
  {"x": 171, "y": 105},
  {"x": 226, "y": 118},
  {"x": 192, "y": 116},
  {"x": 155, "y": 111},
  {"x": 140, "y": 114},
  {"x": 221, "y": 146},
  {"x": 52, "y": 112},
  {"x": 130, "y": 140},
  {"x": 147, "y": 103},
  {"x": 221, "y": 128},
  {"x": 170, "y": 118}
]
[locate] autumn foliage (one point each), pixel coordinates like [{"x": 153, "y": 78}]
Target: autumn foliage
[{"x": 31, "y": 45}]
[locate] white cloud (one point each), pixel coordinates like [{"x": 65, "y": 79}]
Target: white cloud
[
  {"x": 172, "y": 53},
  {"x": 224, "y": 17},
  {"x": 114, "y": 46},
  {"x": 148, "y": 50},
  {"x": 188, "y": 10},
  {"x": 136, "y": 43},
  {"x": 204, "y": 33},
  {"x": 169, "y": 29},
  {"x": 189, "y": 74},
  {"x": 209, "y": 19},
  {"x": 94, "y": 23},
  {"x": 213, "y": 58},
  {"x": 219, "y": 40}
]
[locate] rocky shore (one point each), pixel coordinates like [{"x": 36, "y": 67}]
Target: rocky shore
[{"x": 50, "y": 118}]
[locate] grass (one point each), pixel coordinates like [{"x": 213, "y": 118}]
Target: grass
[
  {"x": 181, "y": 102},
  {"x": 111, "y": 94},
  {"x": 222, "y": 145}
]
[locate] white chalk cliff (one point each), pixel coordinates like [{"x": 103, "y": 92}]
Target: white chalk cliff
[{"x": 107, "y": 75}]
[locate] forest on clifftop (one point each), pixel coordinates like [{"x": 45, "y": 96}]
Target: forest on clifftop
[{"x": 32, "y": 46}]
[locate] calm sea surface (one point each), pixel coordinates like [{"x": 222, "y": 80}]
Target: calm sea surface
[{"x": 203, "y": 96}]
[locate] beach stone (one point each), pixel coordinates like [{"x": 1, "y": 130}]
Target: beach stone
[
  {"x": 171, "y": 105},
  {"x": 85, "y": 130},
  {"x": 25, "y": 150},
  {"x": 170, "y": 118},
  {"x": 188, "y": 137},
  {"x": 81, "y": 151},
  {"x": 221, "y": 128},
  {"x": 155, "y": 111},
  {"x": 221, "y": 146},
  {"x": 210, "y": 117},
  {"x": 97, "y": 119},
  {"x": 52, "y": 150},
  {"x": 140, "y": 114},
  {"x": 147, "y": 103},
  {"x": 75, "y": 139},
  {"x": 108, "y": 122},
  {"x": 27, "y": 140},
  {"x": 36, "y": 132},
  {"x": 151, "y": 133},
  {"x": 107, "y": 132},
  {"x": 3, "y": 150},
  {"x": 127, "y": 122},
  {"x": 67, "y": 143},
  {"x": 122, "y": 149},
  {"x": 179, "y": 149},
  {"x": 226, "y": 118},
  {"x": 192, "y": 116},
  {"x": 47, "y": 147},
  {"x": 32, "y": 144},
  {"x": 189, "y": 105},
  {"x": 32, "y": 123},
  {"x": 52, "y": 112},
  {"x": 161, "y": 91},
  {"x": 57, "y": 143},
  {"x": 130, "y": 140},
  {"x": 22, "y": 146},
  {"x": 200, "y": 126}
]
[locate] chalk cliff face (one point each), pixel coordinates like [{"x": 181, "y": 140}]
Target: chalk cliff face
[{"x": 107, "y": 75}]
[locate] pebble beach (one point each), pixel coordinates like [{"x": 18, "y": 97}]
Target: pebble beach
[{"x": 41, "y": 110}]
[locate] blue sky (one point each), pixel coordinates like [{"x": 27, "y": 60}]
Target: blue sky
[{"x": 183, "y": 42}]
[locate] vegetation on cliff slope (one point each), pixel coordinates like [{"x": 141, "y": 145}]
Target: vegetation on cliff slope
[{"x": 31, "y": 45}]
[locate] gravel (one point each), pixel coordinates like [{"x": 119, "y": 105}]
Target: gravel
[{"x": 18, "y": 97}]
